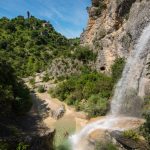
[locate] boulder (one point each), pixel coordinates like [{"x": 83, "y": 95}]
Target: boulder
[
  {"x": 127, "y": 143},
  {"x": 59, "y": 112}
]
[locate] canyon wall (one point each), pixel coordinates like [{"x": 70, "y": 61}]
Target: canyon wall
[{"x": 113, "y": 29}]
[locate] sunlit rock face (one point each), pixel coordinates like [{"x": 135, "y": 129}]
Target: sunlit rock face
[{"x": 113, "y": 28}]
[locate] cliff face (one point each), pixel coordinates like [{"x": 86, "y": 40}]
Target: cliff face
[{"x": 113, "y": 28}]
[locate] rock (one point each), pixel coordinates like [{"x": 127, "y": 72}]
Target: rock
[
  {"x": 59, "y": 112},
  {"x": 40, "y": 141},
  {"x": 64, "y": 67},
  {"x": 95, "y": 3},
  {"x": 123, "y": 7},
  {"x": 97, "y": 135},
  {"x": 127, "y": 143},
  {"x": 123, "y": 22}
]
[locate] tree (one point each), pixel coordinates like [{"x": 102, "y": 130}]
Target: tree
[{"x": 28, "y": 14}]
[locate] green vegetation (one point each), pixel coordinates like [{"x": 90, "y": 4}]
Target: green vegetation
[
  {"x": 96, "y": 105},
  {"x": 86, "y": 90},
  {"x": 41, "y": 89},
  {"x": 145, "y": 129},
  {"x": 46, "y": 78},
  {"x": 84, "y": 54},
  {"x": 14, "y": 95},
  {"x": 19, "y": 146},
  {"x": 32, "y": 81},
  {"x": 14, "y": 101},
  {"x": 22, "y": 146},
  {"x": 89, "y": 91},
  {"x": 117, "y": 69},
  {"x": 3, "y": 146},
  {"x": 30, "y": 44},
  {"x": 131, "y": 135},
  {"x": 101, "y": 5}
]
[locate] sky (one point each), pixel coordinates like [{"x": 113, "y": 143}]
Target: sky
[{"x": 68, "y": 17}]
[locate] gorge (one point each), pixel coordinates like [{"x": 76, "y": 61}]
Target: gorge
[
  {"x": 122, "y": 107},
  {"x": 128, "y": 99},
  {"x": 86, "y": 93}
]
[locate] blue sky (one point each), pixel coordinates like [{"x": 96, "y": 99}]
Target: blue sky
[{"x": 69, "y": 17}]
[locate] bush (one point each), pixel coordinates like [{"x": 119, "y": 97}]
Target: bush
[
  {"x": 84, "y": 54},
  {"x": 131, "y": 135},
  {"x": 22, "y": 146},
  {"x": 4, "y": 146},
  {"x": 46, "y": 78},
  {"x": 97, "y": 106},
  {"x": 117, "y": 69},
  {"x": 94, "y": 88},
  {"x": 145, "y": 129},
  {"x": 41, "y": 89},
  {"x": 29, "y": 46},
  {"x": 101, "y": 5},
  {"x": 32, "y": 81},
  {"x": 14, "y": 94}
]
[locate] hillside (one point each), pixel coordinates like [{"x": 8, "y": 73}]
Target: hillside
[
  {"x": 33, "y": 46},
  {"x": 28, "y": 47},
  {"x": 30, "y": 44}
]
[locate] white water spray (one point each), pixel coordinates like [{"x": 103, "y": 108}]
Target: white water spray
[{"x": 128, "y": 84}]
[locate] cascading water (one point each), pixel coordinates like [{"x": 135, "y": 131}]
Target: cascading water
[
  {"x": 126, "y": 100},
  {"x": 128, "y": 86}
]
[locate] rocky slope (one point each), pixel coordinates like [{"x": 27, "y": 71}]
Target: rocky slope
[{"x": 113, "y": 28}]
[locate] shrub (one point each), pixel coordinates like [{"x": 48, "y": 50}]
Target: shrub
[
  {"x": 84, "y": 54},
  {"x": 131, "y": 135},
  {"x": 22, "y": 146},
  {"x": 4, "y": 146},
  {"x": 22, "y": 102},
  {"x": 32, "y": 81},
  {"x": 94, "y": 88},
  {"x": 101, "y": 6},
  {"x": 46, "y": 78},
  {"x": 14, "y": 94},
  {"x": 145, "y": 129},
  {"x": 97, "y": 106},
  {"x": 117, "y": 69},
  {"x": 41, "y": 89},
  {"x": 26, "y": 41}
]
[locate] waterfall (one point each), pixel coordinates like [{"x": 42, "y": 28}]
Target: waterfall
[
  {"x": 127, "y": 89},
  {"x": 126, "y": 100}
]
